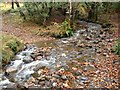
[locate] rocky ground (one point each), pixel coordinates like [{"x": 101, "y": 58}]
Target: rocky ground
[{"x": 99, "y": 71}]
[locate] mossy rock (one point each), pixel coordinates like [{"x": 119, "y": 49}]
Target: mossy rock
[
  {"x": 10, "y": 46},
  {"x": 7, "y": 54},
  {"x": 14, "y": 45}
]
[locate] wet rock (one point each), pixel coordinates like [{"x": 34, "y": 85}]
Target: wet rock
[
  {"x": 89, "y": 45},
  {"x": 109, "y": 40},
  {"x": 64, "y": 41},
  {"x": 57, "y": 76},
  {"x": 104, "y": 54},
  {"x": 14, "y": 66},
  {"x": 99, "y": 51},
  {"x": 91, "y": 60},
  {"x": 84, "y": 78},
  {"x": 12, "y": 79},
  {"x": 35, "y": 74},
  {"x": 6, "y": 74},
  {"x": 63, "y": 55},
  {"x": 28, "y": 69},
  {"x": 77, "y": 73},
  {"x": 42, "y": 83},
  {"x": 65, "y": 84},
  {"x": 27, "y": 59},
  {"x": 42, "y": 78},
  {"x": 63, "y": 77},
  {"x": 85, "y": 68},
  {"x": 80, "y": 52},
  {"x": 116, "y": 61},
  {"x": 33, "y": 55},
  {"x": 5, "y": 83},
  {"x": 88, "y": 38},
  {"x": 74, "y": 68},
  {"x": 48, "y": 77},
  {"x": 95, "y": 42},
  {"x": 61, "y": 70},
  {"x": 38, "y": 57},
  {"x": 40, "y": 71},
  {"x": 31, "y": 79},
  {"x": 54, "y": 84},
  {"x": 36, "y": 82},
  {"x": 81, "y": 45}
]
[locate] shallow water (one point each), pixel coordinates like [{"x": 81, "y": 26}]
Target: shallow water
[{"x": 78, "y": 47}]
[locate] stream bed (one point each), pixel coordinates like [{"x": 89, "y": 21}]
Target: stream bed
[{"x": 59, "y": 63}]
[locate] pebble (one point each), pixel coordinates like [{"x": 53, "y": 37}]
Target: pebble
[
  {"x": 31, "y": 79},
  {"x": 38, "y": 57},
  {"x": 42, "y": 78},
  {"x": 54, "y": 84},
  {"x": 40, "y": 71},
  {"x": 104, "y": 54},
  {"x": 63, "y": 77},
  {"x": 27, "y": 59},
  {"x": 63, "y": 55},
  {"x": 77, "y": 73}
]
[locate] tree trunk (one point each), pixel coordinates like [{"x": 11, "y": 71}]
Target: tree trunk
[
  {"x": 118, "y": 23},
  {"x": 12, "y": 4},
  {"x": 70, "y": 10}
]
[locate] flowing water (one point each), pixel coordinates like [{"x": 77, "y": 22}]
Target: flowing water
[{"x": 81, "y": 47}]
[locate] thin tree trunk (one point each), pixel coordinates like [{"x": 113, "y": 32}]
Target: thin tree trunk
[
  {"x": 118, "y": 23},
  {"x": 12, "y": 4},
  {"x": 70, "y": 10},
  {"x": 21, "y": 13}
]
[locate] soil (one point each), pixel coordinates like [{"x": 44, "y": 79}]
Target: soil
[{"x": 22, "y": 31}]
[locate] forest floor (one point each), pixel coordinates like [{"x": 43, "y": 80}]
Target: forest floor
[
  {"x": 30, "y": 32},
  {"x": 12, "y": 26}
]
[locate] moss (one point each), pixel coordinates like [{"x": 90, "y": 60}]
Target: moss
[
  {"x": 7, "y": 54},
  {"x": 10, "y": 46},
  {"x": 117, "y": 46}
]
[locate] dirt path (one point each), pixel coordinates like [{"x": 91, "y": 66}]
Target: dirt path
[{"x": 20, "y": 31}]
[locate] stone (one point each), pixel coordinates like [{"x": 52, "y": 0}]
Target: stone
[
  {"x": 104, "y": 54},
  {"x": 98, "y": 51},
  {"x": 31, "y": 79},
  {"x": 42, "y": 78},
  {"x": 40, "y": 71},
  {"x": 27, "y": 59},
  {"x": 63, "y": 55},
  {"x": 84, "y": 78},
  {"x": 63, "y": 77},
  {"x": 81, "y": 45},
  {"x": 77, "y": 73},
  {"x": 56, "y": 76},
  {"x": 36, "y": 81},
  {"x": 38, "y": 57},
  {"x": 88, "y": 38},
  {"x": 10, "y": 70},
  {"x": 95, "y": 42},
  {"x": 74, "y": 68},
  {"x": 54, "y": 84}
]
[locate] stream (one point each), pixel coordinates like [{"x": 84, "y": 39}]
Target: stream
[{"x": 55, "y": 55}]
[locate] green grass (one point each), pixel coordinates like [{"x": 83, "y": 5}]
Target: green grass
[{"x": 10, "y": 45}]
